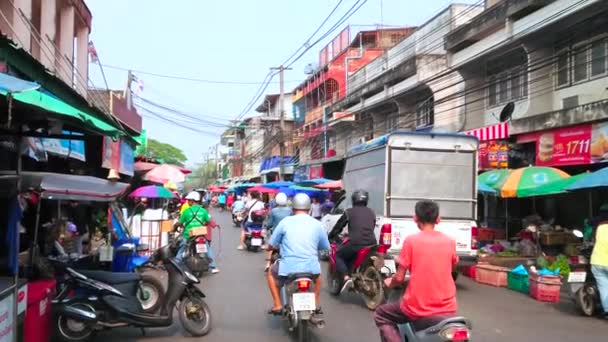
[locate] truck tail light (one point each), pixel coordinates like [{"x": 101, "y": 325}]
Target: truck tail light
[
  {"x": 474, "y": 236},
  {"x": 386, "y": 238}
]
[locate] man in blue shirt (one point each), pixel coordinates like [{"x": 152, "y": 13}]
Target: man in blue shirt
[
  {"x": 276, "y": 216},
  {"x": 299, "y": 239}
]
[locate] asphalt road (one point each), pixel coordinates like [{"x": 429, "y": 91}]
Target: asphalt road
[{"x": 239, "y": 299}]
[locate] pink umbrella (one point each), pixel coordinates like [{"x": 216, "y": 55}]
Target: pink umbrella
[
  {"x": 263, "y": 190},
  {"x": 165, "y": 173},
  {"x": 330, "y": 185}
]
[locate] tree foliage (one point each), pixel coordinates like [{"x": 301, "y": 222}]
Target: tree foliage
[
  {"x": 202, "y": 176},
  {"x": 164, "y": 152}
]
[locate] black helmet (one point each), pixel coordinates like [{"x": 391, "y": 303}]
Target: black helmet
[{"x": 360, "y": 197}]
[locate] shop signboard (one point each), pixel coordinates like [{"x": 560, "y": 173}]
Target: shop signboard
[
  {"x": 315, "y": 172},
  {"x": 599, "y": 143},
  {"x": 66, "y": 148},
  {"x": 111, "y": 154},
  {"x": 493, "y": 154},
  {"x": 127, "y": 160},
  {"x": 300, "y": 174}
]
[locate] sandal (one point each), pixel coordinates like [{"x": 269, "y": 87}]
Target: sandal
[{"x": 273, "y": 312}]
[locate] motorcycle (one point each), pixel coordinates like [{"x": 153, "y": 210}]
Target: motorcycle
[
  {"x": 147, "y": 288},
  {"x": 77, "y": 319},
  {"x": 299, "y": 305},
  {"x": 254, "y": 239},
  {"x": 365, "y": 273},
  {"x": 582, "y": 284},
  {"x": 439, "y": 328},
  {"x": 195, "y": 256}
]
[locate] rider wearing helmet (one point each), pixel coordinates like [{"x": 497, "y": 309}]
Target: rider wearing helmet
[
  {"x": 277, "y": 214},
  {"x": 195, "y": 216},
  {"x": 299, "y": 239},
  {"x": 361, "y": 221}
]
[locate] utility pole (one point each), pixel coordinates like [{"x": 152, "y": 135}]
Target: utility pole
[{"x": 282, "y": 113}]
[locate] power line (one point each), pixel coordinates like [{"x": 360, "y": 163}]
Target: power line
[{"x": 190, "y": 79}]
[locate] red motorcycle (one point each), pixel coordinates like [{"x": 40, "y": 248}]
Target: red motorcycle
[{"x": 365, "y": 270}]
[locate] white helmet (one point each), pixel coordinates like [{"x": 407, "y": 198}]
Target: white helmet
[
  {"x": 281, "y": 199},
  {"x": 301, "y": 201},
  {"x": 193, "y": 196}
]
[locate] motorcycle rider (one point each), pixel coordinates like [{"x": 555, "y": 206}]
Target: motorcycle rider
[
  {"x": 193, "y": 217},
  {"x": 429, "y": 256},
  {"x": 254, "y": 204},
  {"x": 361, "y": 221},
  {"x": 277, "y": 214},
  {"x": 299, "y": 239}
]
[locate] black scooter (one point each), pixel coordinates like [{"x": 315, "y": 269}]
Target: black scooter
[
  {"x": 582, "y": 283},
  {"x": 77, "y": 319}
]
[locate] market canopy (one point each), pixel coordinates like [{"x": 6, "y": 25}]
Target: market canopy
[
  {"x": 518, "y": 181},
  {"x": 278, "y": 184},
  {"x": 597, "y": 179},
  {"x": 13, "y": 85},
  {"x": 263, "y": 190},
  {"x": 552, "y": 188},
  {"x": 49, "y": 102},
  {"x": 58, "y": 186},
  {"x": 313, "y": 182},
  {"x": 333, "y": 185},
  {"x": 486, "y": 189}
]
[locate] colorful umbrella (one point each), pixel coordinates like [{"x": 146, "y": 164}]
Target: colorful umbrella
[
  {"x": 152, "y": 191},
  {"x": 278, "y": 184},
  {"x": 527, "y": 178},
  {"x": 165, "y": 173},
  {"x": 333, "y": 185},
  {"x": 263, "y": 190},
  {"x": 597, "y": 179},
  {"x": 552, "y": 188},
  {"x": 313, "y": 182},
  {"x": 493, "y": 178},
  {"x": 486, "y": 189}
]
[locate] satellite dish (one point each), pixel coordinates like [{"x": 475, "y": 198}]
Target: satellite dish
[
  {"x": 507, "y": 111},
  {"x": 310, "y": 68}
]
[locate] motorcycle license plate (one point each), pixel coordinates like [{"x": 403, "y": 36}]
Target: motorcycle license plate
[
  {"x": 201, "y": 248},
  {"x": 389, "y": 266},
  {"x": 255, "y": 242},
  {"x": 304, "y": 301},
  {"x": 577, "y": 277}
]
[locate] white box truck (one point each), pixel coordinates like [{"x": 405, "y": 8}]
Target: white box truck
[{"x": 401, "y": 168}]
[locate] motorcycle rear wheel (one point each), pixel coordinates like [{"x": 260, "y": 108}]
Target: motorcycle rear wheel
[
  {"x": 375, "y": 297},
  {"x": 72, "y": 330},
  {"x": 303, "y": 331},
  {"x": 195, "y": 316},
  {"x": 586, "y": 302},
  {"x": 334, "y": 282}
]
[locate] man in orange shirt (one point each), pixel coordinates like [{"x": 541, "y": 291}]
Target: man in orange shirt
[{"x": 429, "y": 256}]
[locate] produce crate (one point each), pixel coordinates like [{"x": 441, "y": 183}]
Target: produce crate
[
  {"x": 518, "y": 282},
  {"x": 491, "y": 275},
  {"x": 553, "y": 238},
  {"x": 545, "y": 288}
]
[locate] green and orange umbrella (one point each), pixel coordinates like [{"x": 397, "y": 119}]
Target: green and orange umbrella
[{"x": 521, "y": 182}]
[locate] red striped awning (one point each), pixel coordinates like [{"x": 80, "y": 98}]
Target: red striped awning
[{"x": 494, "y": 132}]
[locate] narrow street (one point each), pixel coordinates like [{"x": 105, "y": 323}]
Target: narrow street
[{"x": 239, "y": 298}]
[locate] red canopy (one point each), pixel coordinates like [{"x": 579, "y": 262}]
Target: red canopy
[
  {"x": 145, "y": 166},
  {"x": 263, "y": 190},
  {"x": 330, "y": 185}
]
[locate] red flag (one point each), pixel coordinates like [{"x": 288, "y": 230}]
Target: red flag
[{"x": 93, "y": 53}]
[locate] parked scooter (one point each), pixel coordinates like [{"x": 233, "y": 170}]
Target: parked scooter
[
  {"x": 582, "y": 283},
  {"x": 440, "y": 328},
  {"x": 147, "y": 288},
  {"x": 365, "y": 273},
  {"x": 79, "y": 318}
]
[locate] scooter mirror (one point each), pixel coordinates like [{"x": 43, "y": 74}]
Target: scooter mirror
[{"x": 577, "y": 233}]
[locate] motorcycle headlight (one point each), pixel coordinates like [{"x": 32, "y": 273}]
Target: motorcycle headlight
[{"x": 191, "y": 277}]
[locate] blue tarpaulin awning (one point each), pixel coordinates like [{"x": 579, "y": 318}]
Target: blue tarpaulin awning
[{"x": 12, "y": 84}]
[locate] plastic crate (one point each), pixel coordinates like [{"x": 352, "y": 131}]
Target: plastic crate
[
  {"x": 545, "y": 288},
  {"x": 491, "y": 275},
  {"x": 518, "y": 282}
]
